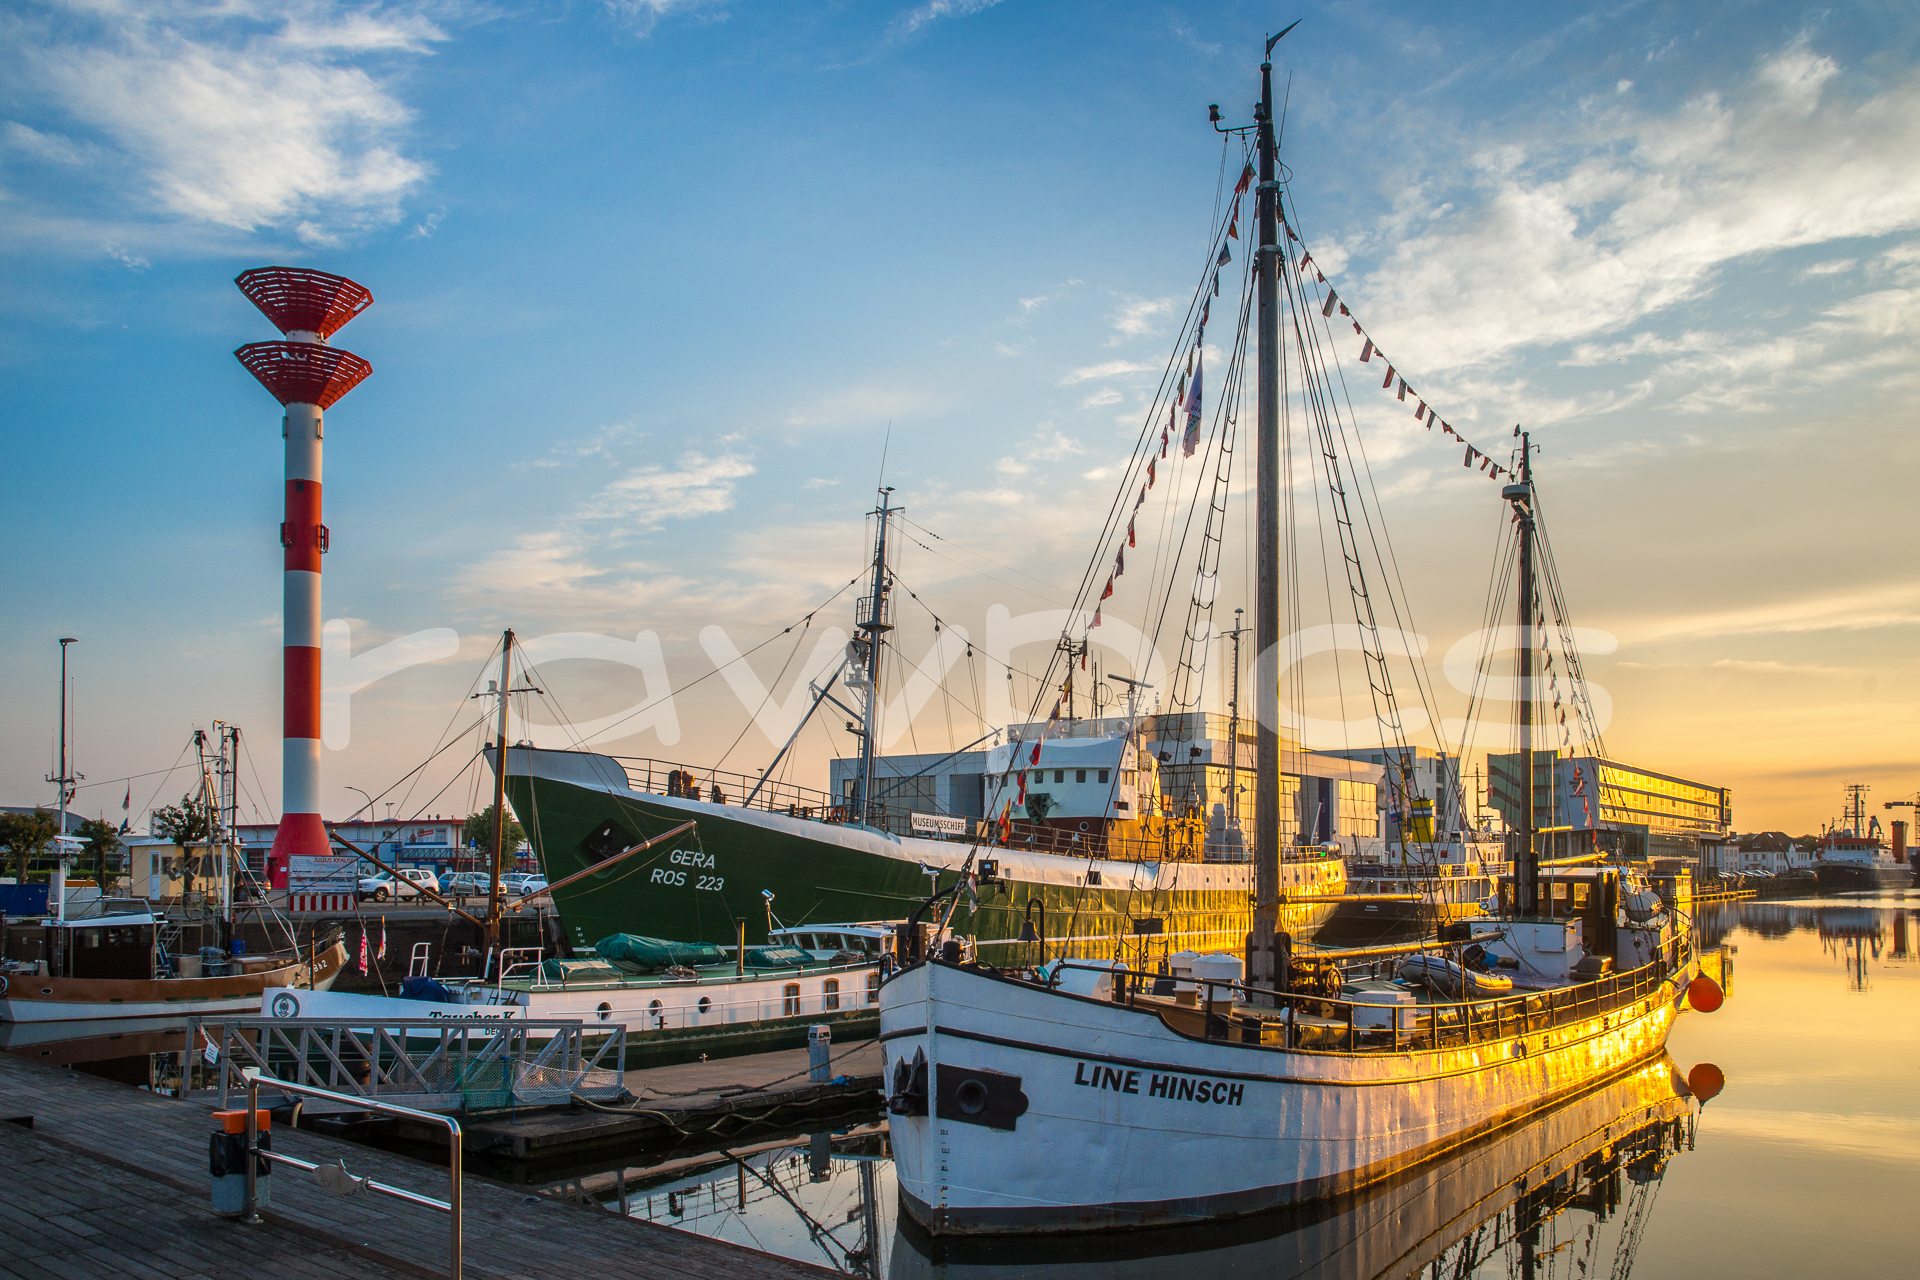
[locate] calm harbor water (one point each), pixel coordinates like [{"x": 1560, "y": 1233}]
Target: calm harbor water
[{"x": 1806, "y": 1163}]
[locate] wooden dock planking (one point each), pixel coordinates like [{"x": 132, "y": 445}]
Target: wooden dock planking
[{"x": 160, "y": 1222}]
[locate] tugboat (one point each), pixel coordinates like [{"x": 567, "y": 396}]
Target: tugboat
[
  {"x": 1853, "y": 859},
  {"x": 1082, "y": 1096}
]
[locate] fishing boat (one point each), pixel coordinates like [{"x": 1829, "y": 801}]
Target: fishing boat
[
  {"x": 116, "y": 966},
  {"x": 1853, "y": 858},
  {"x": 677, "y": 1002},
  {"x": 124, "y": 961},
  {"x": 1090, "y": 1095}
]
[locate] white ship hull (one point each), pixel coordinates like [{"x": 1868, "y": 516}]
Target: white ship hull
[{"x": 1114, "y": 1120}]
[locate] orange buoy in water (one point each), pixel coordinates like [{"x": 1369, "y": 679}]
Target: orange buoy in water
[
  {"x": 1706, "y": 1081},
  {"x": 1704, "y": 994}
]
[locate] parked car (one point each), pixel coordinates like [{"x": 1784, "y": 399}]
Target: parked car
[
  {"x": 411, "y": 881},
  {"x": 523, "y": 885},
  {"x": 467, "y": 884}
]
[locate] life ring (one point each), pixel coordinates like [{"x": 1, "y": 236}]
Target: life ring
[{"x": 3, "y": 984}]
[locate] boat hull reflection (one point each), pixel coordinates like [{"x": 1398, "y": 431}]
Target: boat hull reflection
[{"x": 1460, "y": 1211}]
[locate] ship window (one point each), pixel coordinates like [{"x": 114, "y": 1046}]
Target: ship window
[
  {"x": 790, "y": 999},
  {"x": 1103, "y": 775},
  {"x": 830, "y": 1000},
  {"x": 830, "y": 942},
  {"x": 1059, "y": 775},
  {"x": 804, "y": 941},
  {"x": 873, "y": 988},
  {"x": 1079, "y": 775}
]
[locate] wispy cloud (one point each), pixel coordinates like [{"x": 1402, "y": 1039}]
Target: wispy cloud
[
  {"x": 1566, "y": 241},
  {"x": 241, "y": 114},
  {"x": 1832, "y": 268},
  {"x": 46, "y": 146},
  {"x": 915, "y": 20},
  {"x": 1139, "y": 317},
  {"x": 647, "y": 497},
  {"x": 1105, "y": 369}
]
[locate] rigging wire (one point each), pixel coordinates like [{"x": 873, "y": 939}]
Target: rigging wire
[{"x": 701, "y": 679}]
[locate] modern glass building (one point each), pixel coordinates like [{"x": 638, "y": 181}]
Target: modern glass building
[{"x": 1606, "y": 805}]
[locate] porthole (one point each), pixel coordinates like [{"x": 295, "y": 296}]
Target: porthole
[
  {"x": 606, "y": 1010},
  {"x": 706, "y": 1004}
]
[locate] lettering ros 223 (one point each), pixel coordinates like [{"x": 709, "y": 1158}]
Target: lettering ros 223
[{"x": 676, "y": 879}]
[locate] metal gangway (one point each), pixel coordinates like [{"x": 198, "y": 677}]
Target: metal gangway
[{"x": 427, "y": 1064}]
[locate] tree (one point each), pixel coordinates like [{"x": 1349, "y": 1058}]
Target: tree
[
  {"x": 479, "y": 832},
  {"x": 186, "y": 823},
  {"x": 27, "y": 836},
  {"x": 103, "y": 841}
]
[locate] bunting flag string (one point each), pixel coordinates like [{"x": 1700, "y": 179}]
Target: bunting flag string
[
  {"x": 1191, "y": 440},
  {"x": 1423, "y": 412}
]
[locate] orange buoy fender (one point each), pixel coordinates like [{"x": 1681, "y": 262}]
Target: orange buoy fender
[
  {"x": 1704, "y": 994},
  {"x": 1706, "y": 1081}
]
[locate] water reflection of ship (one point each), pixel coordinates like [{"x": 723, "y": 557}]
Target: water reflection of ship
[
  {"x": 1579, "y": 1181},
  {"x": 1855, "y": 935},
  {"x": 817, "y": 1198}
]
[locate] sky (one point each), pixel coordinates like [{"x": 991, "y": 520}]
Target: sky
[{"x": 664, "y": 288}]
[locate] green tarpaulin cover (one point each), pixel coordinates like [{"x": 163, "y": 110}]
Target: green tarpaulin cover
[
  {"x": 777, "y": 958},
  {"x": 634, "y": 954}
]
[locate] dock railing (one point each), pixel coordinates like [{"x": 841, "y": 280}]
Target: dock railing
[
  {"x": 451, "y": 1206},
  {"x": 430, "y": 1063}
]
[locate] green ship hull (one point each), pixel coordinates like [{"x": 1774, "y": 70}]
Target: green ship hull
[{"x": 579, "y": 810}]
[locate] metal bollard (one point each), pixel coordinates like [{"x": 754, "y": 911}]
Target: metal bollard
[
  {"x": 819, "y": 1053},
  {"x": 227, "y": 1162}
]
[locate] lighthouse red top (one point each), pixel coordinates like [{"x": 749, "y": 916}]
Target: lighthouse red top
[{"x": 297, "y": 298}]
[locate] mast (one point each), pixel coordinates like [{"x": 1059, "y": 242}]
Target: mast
[
  {"x": 1233, "y": 725},
  {"x": 499, "y": 797},
  {"x": 64, "y": 783},
  {"x": 876, "y": 623},
  {"x": 64, "y": 779},
  {"x": 1527, "y": 870},
  {"x": 1266, "y": 970}
]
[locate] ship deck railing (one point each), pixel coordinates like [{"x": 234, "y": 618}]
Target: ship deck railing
[
  {"x": 720, "y": 786},
  {"x": 1303, "y": 1022}
]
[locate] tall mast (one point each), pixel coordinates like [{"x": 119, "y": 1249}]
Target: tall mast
[
  {"x": 876, "y": 624},
  {"x": 499, "y": 796},
  {"x": 1233, "y": 725},
  {"x": 63, "y": 781},
  {"x": 1266, "y": 969},
  {"x": 1527, "y": 870}
]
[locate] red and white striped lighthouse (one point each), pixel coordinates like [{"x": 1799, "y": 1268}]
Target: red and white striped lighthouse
[{"x": 306, "y": 376}]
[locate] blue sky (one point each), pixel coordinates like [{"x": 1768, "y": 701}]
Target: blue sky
[{"x": 652, "y": 279}]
